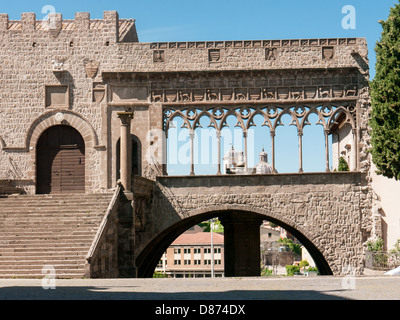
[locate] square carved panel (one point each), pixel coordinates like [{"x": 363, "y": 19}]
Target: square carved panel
[
  {"x": 129, "y": 93},
  {"x": 57, "y": 96}
]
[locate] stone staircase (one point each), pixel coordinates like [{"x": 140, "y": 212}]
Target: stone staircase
[{"x": 48, "y": 230}]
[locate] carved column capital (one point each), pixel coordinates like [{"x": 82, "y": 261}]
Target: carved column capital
[{"x": 125, "y": 117}]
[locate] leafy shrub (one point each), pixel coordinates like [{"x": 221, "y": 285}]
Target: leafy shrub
[
  {"x": 375, "y": 245},
  {"x": 291, "y": 270},
  {"x": 158, "y": 274},
  {"x": 267, "y": 272}
]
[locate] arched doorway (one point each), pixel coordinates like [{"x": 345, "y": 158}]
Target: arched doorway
[{"x": 60, "y": 161}]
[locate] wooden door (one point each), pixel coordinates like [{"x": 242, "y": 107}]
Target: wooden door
[{"x": 60, "y": 161}]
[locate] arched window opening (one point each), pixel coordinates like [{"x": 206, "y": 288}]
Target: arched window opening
[{"x": 290, "y": 136}]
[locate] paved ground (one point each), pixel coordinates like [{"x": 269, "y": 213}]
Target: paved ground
[{"x": 284, "y": 288}]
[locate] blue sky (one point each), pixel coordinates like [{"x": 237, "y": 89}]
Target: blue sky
[{"x": 178, "y": 20}]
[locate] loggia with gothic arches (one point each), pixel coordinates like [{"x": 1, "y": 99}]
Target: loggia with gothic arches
[{"x": 85, "y": 104}]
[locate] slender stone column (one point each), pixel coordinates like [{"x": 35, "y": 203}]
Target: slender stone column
[
  {"x": 327, "y": 150},
  {"x": 126, "y": 150},
  {"x": 219, "y": 151},
  {"x": 245, "y": 149},
  {"x": 273, "y": 151},
  {"x": 353, "y": 162},
  {"x": 300, "y": 152},
  {"x": 191, "y": 135},
  {"x": 241, "y": 244}
]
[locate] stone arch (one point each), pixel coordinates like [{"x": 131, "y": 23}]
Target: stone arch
[
  {"x": 151, "y": 254},
  {"x": 70, "y": 118}
]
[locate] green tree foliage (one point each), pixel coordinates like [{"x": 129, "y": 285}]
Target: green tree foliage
[
  {"x": 385, "y": 97},
  {"x": 288, "y": 243},
  {"x": 218, "y": 227}
]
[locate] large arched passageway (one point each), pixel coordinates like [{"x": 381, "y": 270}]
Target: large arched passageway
[{"x": 242, "y": 243}]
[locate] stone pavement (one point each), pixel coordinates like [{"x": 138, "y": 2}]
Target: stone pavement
[{"x": 282, "y": 288}]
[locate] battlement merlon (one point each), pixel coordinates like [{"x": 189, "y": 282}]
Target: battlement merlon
[{"x": 124, "y": 29}]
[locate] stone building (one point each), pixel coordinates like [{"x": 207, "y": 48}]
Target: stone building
[
  {"x": 85, "y": 104},
  {"x": 190, "y": 255},
  {"x": 74, "y": 77}
]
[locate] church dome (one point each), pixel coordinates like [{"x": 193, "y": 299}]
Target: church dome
[{"x": 263, "y": 166}]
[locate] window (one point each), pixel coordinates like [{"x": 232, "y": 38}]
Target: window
[
  {"x": 217, "y": 250},
  {"x": 187, "y": 262},
  {"x": 177, "y": 262},
  {"x": 177, "y": 251},
  {"x": 187, "y": 250},
  {"x": 196, "y": 250},
  {"x": 197, "y": 262},
  {"x": 207, "y": 250}
]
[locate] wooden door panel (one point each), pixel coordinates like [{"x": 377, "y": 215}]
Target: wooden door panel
[{"x": 61, "y": 161}]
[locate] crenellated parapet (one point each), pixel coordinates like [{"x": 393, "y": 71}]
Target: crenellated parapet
[{"x": 124, "y": 29}]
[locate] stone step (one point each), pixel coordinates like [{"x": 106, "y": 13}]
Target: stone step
[
  {"x": 38, "y": 267},
  {"x": 40, "y": 237},
  {"x": 41, "y": 260},
  {"x": 68, "y": 252},
  {"x": 81, "y": 209},
  {"x": 61, "y": 220},
  {"x": 9, "y": 244},
  {"x": 61, "y": 209},
  {"x": 59, "y": 196},
  {"x": 61, "y": 273},
  {"x": 77, "y": 275},
  {"x": 32, "y": 234},
  {"x": 61, "y": 229},
  {"x": 49, "y": 248},
  {"x": 82, "y": 217}
]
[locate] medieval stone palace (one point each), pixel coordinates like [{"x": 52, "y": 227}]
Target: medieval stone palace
[{"x": 85, "y": 111}]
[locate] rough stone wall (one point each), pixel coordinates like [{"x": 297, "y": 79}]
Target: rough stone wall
[
  {"x": 331, "y": 210},
  {"x": 29, "y": 54}
]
